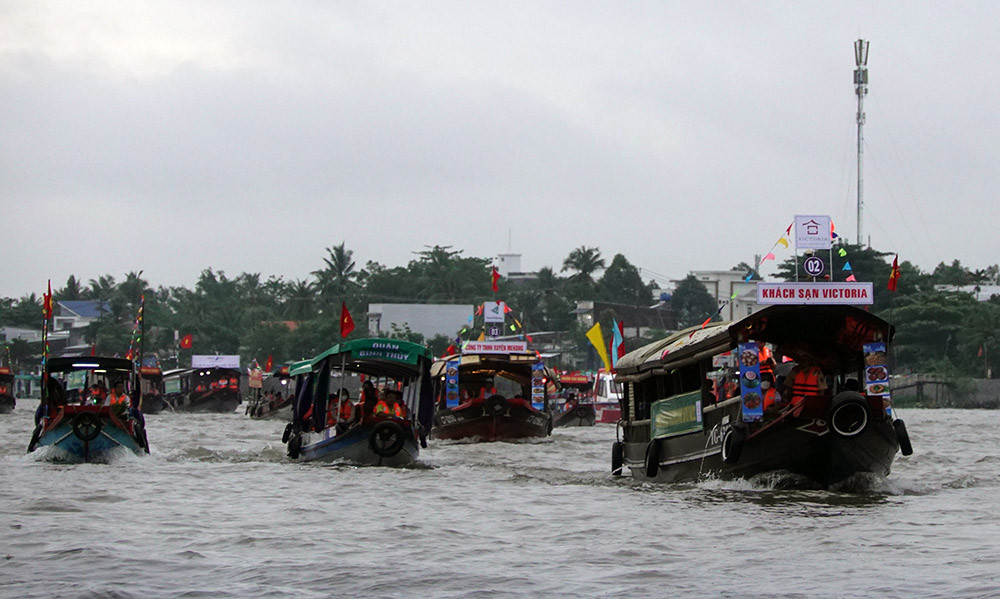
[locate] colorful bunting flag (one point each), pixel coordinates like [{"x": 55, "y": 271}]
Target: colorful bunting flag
[
  {"x": 597, "y": 340},
  {"x": 841, "y": 252},
  {"x": 850, "y": 278},
  {"x": 847, "y": 266},
  {"x": 783, "y": 242}
]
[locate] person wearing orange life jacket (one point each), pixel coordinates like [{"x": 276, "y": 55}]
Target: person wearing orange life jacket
[
  {"x": 397, "y": 407},
  {"x": 805, "y": 379},
  {"x": 117, "y": 395},
  {"x": 381, "y": 407}
]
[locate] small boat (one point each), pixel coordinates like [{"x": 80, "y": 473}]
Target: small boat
[
  {"x": 151, "y": 380},
  {"x": 71, "y": 421},
  {"x": 607, "y": 398},
  {"x": 7, "y": 401},
  {"x": 386, "y": 428},
  {"x": 578, "y": 408},
  {"x": 691, "y": 416},
  {"x": 210, "y": 389},
  {"x": 492, "y": 391},
  {"x": 274, "y": 398}
]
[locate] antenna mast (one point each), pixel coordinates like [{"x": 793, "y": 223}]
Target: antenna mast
[{"x": 861, "y": 90}]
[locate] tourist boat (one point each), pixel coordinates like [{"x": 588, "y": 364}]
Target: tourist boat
[
  {"x": 607, "y": 398},
  {"x": 76, "y": 428},
  {"x": 7, "y": 401},
  {"x": 384, "y": 426},
  {"x": 492, "y": 391},
  {"x": 577, "y": 409},
  {"x": 274, "y": 398},
  {"x": 151, "y": 382},
  {"x": 674, "y": 429},
  {"x": 207, "y": 389}
]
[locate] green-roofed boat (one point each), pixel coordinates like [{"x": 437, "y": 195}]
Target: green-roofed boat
[{"x": 383, "y": 425}]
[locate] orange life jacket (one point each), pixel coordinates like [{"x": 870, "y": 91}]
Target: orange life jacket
[
  {"x": 769, "y": 396},
  {"x": 346, "y": 407},
  {"x": 399, "y": 410},
  {"x": 115, "y": 400},
  {"x": 806, "y": 382},
  {"x": 381, "y": 407}
]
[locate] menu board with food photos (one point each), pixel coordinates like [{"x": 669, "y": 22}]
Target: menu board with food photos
[
  {"x": 538, "y": 384},
  {"x": 877, "y": 373},
  {"x": 451, "y": 383},
  {"x": 753, "y": 401}
]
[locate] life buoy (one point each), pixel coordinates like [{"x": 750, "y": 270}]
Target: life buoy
[
  {"x": 653, "y": 458},
  {"x": 848, "y": 414},
  {"x": 902, "y": 437},
  {"x": 87, "y": 426},
  {"x": 732, "y": 445},
  {"x": 387, "y": 438},
  {"x": 496, "y": 405},
  {"x": 294, "y": 446},
  {"x": 288, "y": 433},
  {"x": 617, "y": 458},
  {"x": 35, "y": 434}
]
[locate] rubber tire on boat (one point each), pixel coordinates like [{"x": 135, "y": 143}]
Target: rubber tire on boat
[
  {"x": 87, "y": 426},
  {"x": 902, "y": 437},
  {"x": 653, "y": 458},
  {"x": 496, "y": 405},
  {"x": 35, "y": 434},
  {"x": 617, "y": 458},
  {"x": 852, "y": 406},
  {"x": 387, "y": 429},
  {"x": 288, "y": 433},
  {"x": 582, "y": 412},
  {"x": 294, "y": 446},
  {"x": 732, "y": 445}
]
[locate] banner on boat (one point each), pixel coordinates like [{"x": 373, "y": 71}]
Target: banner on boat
[
  {"x": 538, "y": 384},
  {"x": 451, "y": 383},
  {"x": 495, "y": 347},
  {"x": 493, "y": 311},
  {"x": 215, "y": 362},
  {"x": 676, "y": 415},
  {"x": 877, "y": 373},
  {"x": 853, "y": 294},
  {"x": 812, "y": 232},
  {"x": 753, "y": 402}
]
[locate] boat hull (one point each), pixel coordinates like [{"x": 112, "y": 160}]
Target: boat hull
[
  {"x": 356, "y": 445},
  {"x": 153, "y": 404},
  {"x": 799, "y": 442},
  {"x": 607, "y": 413},
  {"x": 7, "y": 403},
  {"x": 88, "y": 434},
  {"x": 491, "y": 422},
  {"x": 223, "y": 403},
  {"x": 582, "y": 415}
]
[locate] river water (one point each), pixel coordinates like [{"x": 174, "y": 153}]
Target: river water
[{"x": 217, "y": 510}]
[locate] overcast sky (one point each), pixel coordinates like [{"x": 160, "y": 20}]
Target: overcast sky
[{"x": 171, "y": 137}]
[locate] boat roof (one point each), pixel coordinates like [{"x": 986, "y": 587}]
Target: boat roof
[
  {"x": 69, "y": 364},
  {"x": 513, "y": 366},
  {"x": 374, "y": 356},
  {"x": 833, "y": 333}
]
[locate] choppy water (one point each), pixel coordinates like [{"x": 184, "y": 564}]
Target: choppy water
[{"x": 217, "y": 511}]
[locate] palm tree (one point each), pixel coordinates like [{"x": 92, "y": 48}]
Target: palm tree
[
  {"x": 300, "y": 297},
  {"x": 585, "y": 261},
  {"x": 337, "y": 277}
]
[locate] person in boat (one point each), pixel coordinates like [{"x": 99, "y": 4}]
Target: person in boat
[
  {"x": 707, "y": 394},
  {"x": 369, "y": 398},
  {"x": 570, "y": 403},
  {"x": 117, "y": 396},
  {"x": 394, "y": 400},
  {"x": 805, "y": 378},
  {"x": 349, "y": 413},
  {"x": 772, "y": 399},
  {"x": 98, "y": 394},
  {"x": 54, "y": 400}
]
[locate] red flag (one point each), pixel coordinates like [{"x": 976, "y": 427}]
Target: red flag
[
  {"x": 93, "y": 349},
  {"x": 980, "y": 354},
  {"x": 894, "y": 274},
  {"x": 346, "y": 322},
  {"x": 450, "y": 351},
  {"x": 47, "y": 302},
  {"x": 496, "y": 277},
  {"x": 268, "y": 364},
  {"x": 187, "y": 341}
]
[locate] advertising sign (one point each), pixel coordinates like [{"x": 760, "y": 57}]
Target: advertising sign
[
  {"x": 493, "y": 311},
  {"x": 854, "y": 294},
  {"x": 812, "y": 232},
  {"x": 538, "y": 385},
  {"x": 451, "y": 383},
  {"x": 877, "y": 373},
  {"x": 495, "y": 347},
  {"x": 215, "y": 362},
  {"x": 677, "y": 415},
  {"x": 753, "y": 400}
]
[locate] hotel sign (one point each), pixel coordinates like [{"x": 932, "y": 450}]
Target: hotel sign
[
  {"x": 815, "y": 293},
  {"x": 812, "y": 232}
]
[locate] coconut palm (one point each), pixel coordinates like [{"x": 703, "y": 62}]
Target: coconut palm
[
  {"x": 585, "y": 261},
  {"x": 336, "y": 279}
]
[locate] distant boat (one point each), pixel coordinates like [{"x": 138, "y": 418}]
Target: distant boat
[
  {"x": 577, "y": 408},
  {"x": 212, "y": 389},
  {"x": 7, "y": 401}
]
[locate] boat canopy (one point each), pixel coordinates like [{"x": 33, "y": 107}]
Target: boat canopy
[
  {"x": 69, "y": 364},
  {"x": 378, "y": 357},
  {"x": 832, "y": 333}
]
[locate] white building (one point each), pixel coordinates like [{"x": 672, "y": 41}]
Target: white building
[{"x": 721, "y": 285}]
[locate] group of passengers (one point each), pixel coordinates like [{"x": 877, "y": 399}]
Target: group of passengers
[
  {"x": 97, "y": 394},
  {"x": 343, "y": 413}
]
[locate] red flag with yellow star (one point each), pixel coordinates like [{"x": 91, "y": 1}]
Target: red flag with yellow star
[{"x": 346, "y": 322}]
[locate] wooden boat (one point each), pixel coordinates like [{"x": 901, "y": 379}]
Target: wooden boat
[
  {"x": 78, "y": 429},
  {"x": 7, "y": 401},
  {"x": 674, "y": 429},
  {"x": 369, "y": 434},
  {"x": 274, "y": 398},
  {"x": 578, "y": 407},
  {"x": 492, "y": 391},
  {"x": 203, "y": 389},
  {"x": 151, "y": 380}
]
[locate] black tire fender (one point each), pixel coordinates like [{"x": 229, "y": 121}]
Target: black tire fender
[
  {"x": 294, "y": 446},
  {"x": 387, "y": 438},
  {"x": 287, "y": 434},
  {"x": 582, "y": 412},
  {"x": 902, "y": 437},
  {"x": 653, "y": 458},
  {"x": 732, "y": 445},
  {"x": 617, "y": 458},
  {"x": 87, "y": 426},
  {"x": 848, "y": 414}
]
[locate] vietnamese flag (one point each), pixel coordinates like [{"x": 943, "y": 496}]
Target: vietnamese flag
[
  {"x": 47, "y": 302},
  {"x": 346, "y": 322},
  {"x": 187, "y": 341},
  {"x": 268, "y": 364},
  {"x": 496, "y": 277},
  {"x": 894, "y": 274}
]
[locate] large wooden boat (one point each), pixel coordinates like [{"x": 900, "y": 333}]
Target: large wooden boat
[
  {"x": 7, "y": 401},
  {"x": 203, "y": 389},
  {"x": 75, "y": 421},
  {"x": 674, "y": 429},
  {"x": 385, "y": 428},
  {"x": 151, "y": 381},
  {"x": 492, "y": 391}
]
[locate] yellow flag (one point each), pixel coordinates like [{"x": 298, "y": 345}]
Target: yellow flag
[
  {"x": 482, "y": 336},
  {"x": 597, "y": 338},
  {"x": 783, "y": 242}
]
